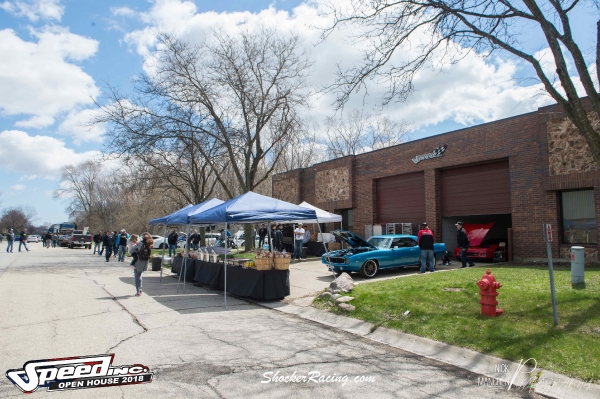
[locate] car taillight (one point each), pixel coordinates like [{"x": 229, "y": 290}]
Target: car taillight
[{"x": 72, "y": 237}]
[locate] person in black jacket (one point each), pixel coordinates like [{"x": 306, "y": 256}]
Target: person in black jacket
[
  {"x": 97, "y": 240},
  {"x": 278, "y": 244},
  {"x": 463, "y": 242},
  {"x": 23, "y": 241},
  {"x": 172, "y": 241},
  {"x": 107, "y": 244},
  {"x": 262, "y": 233}
]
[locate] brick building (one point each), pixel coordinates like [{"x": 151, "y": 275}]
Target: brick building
[{"x": 518, "y": 172}]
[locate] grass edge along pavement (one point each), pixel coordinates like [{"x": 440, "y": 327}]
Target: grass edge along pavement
[{"x": 445, "y": 307}]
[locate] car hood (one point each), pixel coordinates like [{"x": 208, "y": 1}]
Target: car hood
[
  {"x": 352, "y": 239},
  {"x": 477, "y": 232}
]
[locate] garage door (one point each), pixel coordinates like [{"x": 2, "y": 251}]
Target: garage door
[
  {"x": 476, "y": 190},
  {"x": 401, "y": 199}
]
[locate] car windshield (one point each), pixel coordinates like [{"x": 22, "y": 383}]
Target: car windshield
[{"x": 379, "y": 242}]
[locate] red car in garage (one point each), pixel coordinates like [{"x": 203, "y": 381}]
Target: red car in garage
[{"x": 480, "y": 247}]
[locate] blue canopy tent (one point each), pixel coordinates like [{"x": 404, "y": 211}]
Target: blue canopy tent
[
  {"x": 163, "y": 220},
  {"x": 181, "y": 217},
  {"x": 184, "y": 217},
  {"x": 248, "y": 208}
]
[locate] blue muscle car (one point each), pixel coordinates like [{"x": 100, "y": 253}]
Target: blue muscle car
[{"x": 378, "y": 252}]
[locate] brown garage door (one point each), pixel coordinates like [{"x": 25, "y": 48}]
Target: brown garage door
[
  {"x": 476, "y": 190},
  {"x": 401, "y": 199}
]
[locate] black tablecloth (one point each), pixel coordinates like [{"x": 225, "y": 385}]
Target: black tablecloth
[
  {"x": 250, "y": 283},
  {"x": 177, "y": 267},
  {"x": 315, "y": 248},
  {"x": 208, "y": 273}
]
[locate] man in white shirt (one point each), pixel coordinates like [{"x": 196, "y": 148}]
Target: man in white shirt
[{"x": 298, "y": 239}]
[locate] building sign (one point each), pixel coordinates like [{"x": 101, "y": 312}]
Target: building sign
[{"x": 437, "y": 153}]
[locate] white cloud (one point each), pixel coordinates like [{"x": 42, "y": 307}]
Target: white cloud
[
  {"x": 39, "y": 156},
  {"x": 77, "y": 125},
  {"x": 122, "y": 12},
  {"x": 474, "y": 90},
  {"x": 18, "y": 187},
  {"x": 35, "y": 9},
  {"x": 37, "y": 79}
]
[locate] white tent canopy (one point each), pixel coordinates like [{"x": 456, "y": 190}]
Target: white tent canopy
[{"x": 322, "y": 215}]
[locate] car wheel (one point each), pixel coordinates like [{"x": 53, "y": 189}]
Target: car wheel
[
  {"x": 162, "y": 246},
  {"x": 369, "y": 269}
]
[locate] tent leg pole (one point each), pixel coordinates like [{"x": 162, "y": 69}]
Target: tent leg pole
[
  {"x": 162, "y": 262},
  {"x": 225, "y": 266},
  {"x": 186, "y": 254},
  {"x": 325, "y": 246}
]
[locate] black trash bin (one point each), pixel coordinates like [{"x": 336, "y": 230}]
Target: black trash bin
[
  {"x": 304, "y": 252},
  {"x": 156, "y": 264}
]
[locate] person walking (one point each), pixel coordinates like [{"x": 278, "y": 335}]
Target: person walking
[
  {"x": 298, "y": 239},
  {"x": 108, "y": 243},
  {"x": 54, "y": 240},
  {"x": 1, "y": 238},
  {"x": 132, "y": 249},
  {"x": 23, "y": 237},
  {"x": 97, "y": 240},
  {"x": 262, "y": 233},
  {"x": 10, "y": 239},
  {"x": 48, "y": 239},
  {"x": 195, "y": 240},
  {"x": 115, "y": 248},
  {"x": 462, "y": 239},
  {"x": 172, "y": 241},
  {"x": 144, "y": 249},
  {"x": 425, "y": 241},
  {"x": 122, "y": 242}
]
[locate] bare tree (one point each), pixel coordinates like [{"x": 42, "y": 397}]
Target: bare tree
[
  {"x": 357, "y": 131},
  {"x": 484, "y": 26},
  {"x": 236, "y": 96},
  {"x": 233, "y": 98},
  {"x": 17, "y": 218},
  {"x": 78, "y": 186}
]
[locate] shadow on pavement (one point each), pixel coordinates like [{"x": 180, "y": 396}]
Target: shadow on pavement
[{"x": 194, "y": 299}]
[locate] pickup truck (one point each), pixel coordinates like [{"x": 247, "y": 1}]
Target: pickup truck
[{"x": 79, "y": 239}]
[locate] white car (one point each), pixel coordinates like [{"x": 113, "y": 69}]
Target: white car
[
  {"x": 32, "y": 238},
  {"x": 158, "y": 242}
]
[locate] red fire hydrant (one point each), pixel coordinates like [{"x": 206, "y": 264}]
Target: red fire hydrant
[{"x": 488, "y": 286}]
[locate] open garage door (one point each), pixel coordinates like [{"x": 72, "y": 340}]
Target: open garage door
[
  {"x": 498, "y": 232},
  {"x": 401, "y": 199},
  {"x": 482, "y": 189}
]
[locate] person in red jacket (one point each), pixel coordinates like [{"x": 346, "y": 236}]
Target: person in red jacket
[{"x": 425, "y": 241}]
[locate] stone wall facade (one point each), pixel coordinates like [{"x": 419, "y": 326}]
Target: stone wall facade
[
  {"x": 333, "y": 184},
  {"x": 567, "y": 149}
]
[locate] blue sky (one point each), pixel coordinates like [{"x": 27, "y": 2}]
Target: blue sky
[{"x": 56, "y": 57}]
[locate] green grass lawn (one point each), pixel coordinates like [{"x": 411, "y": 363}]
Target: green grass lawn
[{"x": 525, "y": 330}]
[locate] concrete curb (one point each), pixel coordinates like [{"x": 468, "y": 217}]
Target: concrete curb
[{"x": 496, "y": 371}]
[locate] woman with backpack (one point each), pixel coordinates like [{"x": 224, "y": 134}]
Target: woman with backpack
[{"x": 143, "y": 249}]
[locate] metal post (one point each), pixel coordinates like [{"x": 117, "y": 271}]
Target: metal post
[
  {"x": 185, "y": 255},
  {"x": 553, "y": 293},
  {"x": 162, "y": 262},
  {"x": 225, "y": 266},
  {"x": 548, "y": 238}
]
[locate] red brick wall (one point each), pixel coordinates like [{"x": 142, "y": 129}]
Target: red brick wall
[{"x": 523, "y": 140}]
